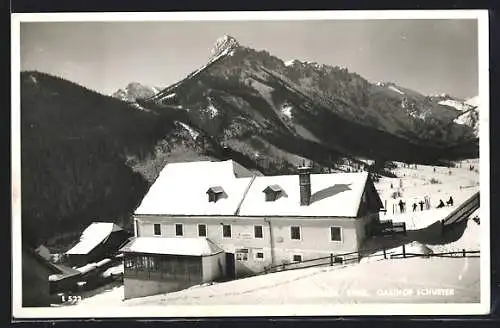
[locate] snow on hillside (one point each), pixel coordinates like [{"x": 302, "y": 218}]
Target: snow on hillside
[
  {"x": 211, "y": 109},
  {"x": 287, "y": 110},
  {"x": 194, "y": 134},
  {"x": 474, "y": 101},
  {"x": 393, "y": 88},
  {"x": 289, "y": 62},
  {"x": 171, "y": 95},
  {"x": 458, "y": 105},
  {"x": 436, "y": 182}
]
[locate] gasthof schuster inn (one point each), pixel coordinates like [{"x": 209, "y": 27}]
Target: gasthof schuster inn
[{"x": 200, "y": 222}]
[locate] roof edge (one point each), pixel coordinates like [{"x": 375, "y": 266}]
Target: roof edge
[{"x": 360, "y": 196}]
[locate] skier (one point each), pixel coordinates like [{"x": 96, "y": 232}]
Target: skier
[
  {"x": 441, "y": 204},
  {"x": 415, "y": 207},
  {"x": 450, "y": 201},
  {"x": 421, "y": 205},
  {"x": 401, "y": 206}
]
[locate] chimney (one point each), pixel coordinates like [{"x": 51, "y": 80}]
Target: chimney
[{"x": 305, "y": 184}]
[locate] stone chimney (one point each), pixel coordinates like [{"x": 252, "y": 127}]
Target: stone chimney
[{"x": 305, "y": 184}]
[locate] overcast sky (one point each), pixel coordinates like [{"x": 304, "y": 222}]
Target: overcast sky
[{"x": 429, "y": 56}]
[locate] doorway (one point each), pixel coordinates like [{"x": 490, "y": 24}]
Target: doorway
[{"x": 230, "y": 266}]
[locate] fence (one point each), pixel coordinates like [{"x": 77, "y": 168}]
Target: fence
[
  {"x": 349, "y": 258},
  {"x": 330, "y": 260},
  {"x": 462, "y": 253}
]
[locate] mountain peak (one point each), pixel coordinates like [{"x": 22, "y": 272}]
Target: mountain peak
[{"x": 224, "y": 45}]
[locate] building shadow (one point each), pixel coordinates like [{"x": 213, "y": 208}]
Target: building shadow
[
  {"x": 329, "y": 192},
  {"x": 430, "y": 235}
]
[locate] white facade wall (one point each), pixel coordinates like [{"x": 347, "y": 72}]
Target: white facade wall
[
  {"x": 213, "y": 266},
  {"x": 315, "y": 236}
]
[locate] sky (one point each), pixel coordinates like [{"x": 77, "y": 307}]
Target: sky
[{"x": 429, "y": 56}]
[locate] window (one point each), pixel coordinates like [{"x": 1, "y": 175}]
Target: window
[
  {"x": 152, "y": 264},
  {"x": 257, "y": 231},
  {"x": 295, "y": 233},
  {"x": 273, "y": 192},
  {"x": 142, "y": 262},
  {"x": 242, "y": 254},
  {"x": 157, "y": 228},
  {"x": 259, "y": 255},
  {"x": 297, "y": 258},
  {"x": 335, "y": 234},
  {"x": 178, "y": 229},
  {"x": 202, "y": 230},
  {"x": 216, "y": 193},
  {"x": 271, "y": 196},
  {"x": 226, "y": 230},
  {"x": 129, "y": 263}
]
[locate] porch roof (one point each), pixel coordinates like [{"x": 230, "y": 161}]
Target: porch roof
[{"x": 172, "y": 246}]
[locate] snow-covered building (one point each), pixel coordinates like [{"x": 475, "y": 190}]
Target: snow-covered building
[
  {"x": 98, "y": 240},
  {"x": 255, "y": 222},
  {"x": 154, "y": 265},
  {"x": 35, "y": 276}
]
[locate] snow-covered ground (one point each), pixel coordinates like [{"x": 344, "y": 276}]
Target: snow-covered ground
[
  {"x": 374, "y": 279},
  {"x": 412, "y": 280}
]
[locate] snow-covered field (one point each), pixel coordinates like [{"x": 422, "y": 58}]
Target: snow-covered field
[
  {"x": 374, "y": 279},
  {"x": 416, "y": 183}
]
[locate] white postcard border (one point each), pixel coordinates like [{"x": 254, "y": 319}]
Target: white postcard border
[{"x": 253, "y": 310}]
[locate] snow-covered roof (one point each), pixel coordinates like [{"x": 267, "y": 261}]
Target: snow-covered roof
[
  {"x": 273, "y": 187},
  {"x": 172, "y": 246},
  {"x": 92, "y": 236},
  {"x": 181, "y": 189},
  {"x": 335, "y": 194},
  {"x": 113, "y": 271}
]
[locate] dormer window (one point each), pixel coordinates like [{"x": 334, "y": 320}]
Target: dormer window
[
  {"x": 216, "y": 193},
  {"x": 273, "y": 192}
]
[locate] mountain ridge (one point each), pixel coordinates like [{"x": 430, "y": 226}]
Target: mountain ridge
[{"x": 242, "y": 73}]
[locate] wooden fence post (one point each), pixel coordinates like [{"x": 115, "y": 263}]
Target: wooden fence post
[
  {"x": 331, "y": 259},
  {"x": 283, "y": 267},
  {"x": 385, "y": 255},
  {"x": 463, "y": 252},
  {"x": 404, "y": 251}
]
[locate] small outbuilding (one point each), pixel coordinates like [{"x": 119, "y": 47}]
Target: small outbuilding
[
  {"x": 35, "y": 275},
  {"x": 155, "y": 265},
  {"x": 98, "y": 241}
]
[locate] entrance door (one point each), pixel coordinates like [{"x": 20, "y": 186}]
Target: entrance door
[{"x": 230, "y": 266}]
